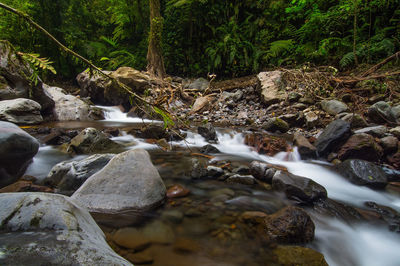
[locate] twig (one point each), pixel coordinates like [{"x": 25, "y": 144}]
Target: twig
[{"x": 380, "y": 64}]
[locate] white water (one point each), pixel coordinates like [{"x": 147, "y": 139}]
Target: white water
[{"x": 114, "y": 114}]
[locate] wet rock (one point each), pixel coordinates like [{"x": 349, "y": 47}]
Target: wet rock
[
  {"x": 395, "y": 131},
  {"x": 241, "y": 179},
  {"x": 56, "y": 137},
  {"x": 157, "y": 132},
  {"x": 25, "y": 186},
  {"x": 138, "y": 238},
  {"x": 214, "y": 171},
  {"x": 361, "y": 146},
  {"x": 209, "y": 149},
  {"x": 174, "y": 216},
  {"x": 93, "y": 85},
  {"x": 199, "y": 169},
  {"x": 253, "y": 217},
  {"x": 304, "y": 147},
  {"x": 91, "y": 140},
  {"x": 208, "y": 132},
  {"x": 252, "y": 203},
  {"x": 388, "y": 214},
  {"x": 395, "y": 160},
  {"x": 363, "y": 173},
  {"x": 266, "y": 144},
  {"x": 294, "y": 255},
  {"x": 20, "y": 111},
  {"x": 16, "y": 72},
  {"x": 381, "y": 112},
  {"x": 377, "y": 131},
  {"x": 290, "y": 225},
  {"x": 271, "y": 87},
  {"x": 334, "y": 107},
  {"x": 336, "y": 209},
  {"x": 53, "y": 230},
  {"x": 311, "y": 119},
  {"x": 355, "y": 120},
  {"x": 276, "y": 124},
  {"x": 389, "y": 144},
  {"x": 186, "y": 245},
  {"x": 177, "y": 191},
  {"x": 135, "y": 185},
  {"x": 392, "y": 174},
  {"x": 298, "y": 188},
  {"x": 262, "y": 171},
  {"x": 336, "y": 133},
  {"x": 143, "y": 257},
  {"x": 17, "y": 149},
  {"x": 241, "y": 170},
  {"x": 68, "y": 176},
  {"x": 70, "y": 108}
]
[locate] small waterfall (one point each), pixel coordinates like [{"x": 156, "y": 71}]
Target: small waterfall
[{"x": 114, "y": 114}]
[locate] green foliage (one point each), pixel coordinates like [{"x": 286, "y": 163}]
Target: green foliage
[
  {"x": 168, "y": 121},
  {"x": 37, "y": 64}
]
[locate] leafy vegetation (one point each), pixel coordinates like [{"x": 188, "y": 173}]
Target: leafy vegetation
[{"x": 228, "y": 38}]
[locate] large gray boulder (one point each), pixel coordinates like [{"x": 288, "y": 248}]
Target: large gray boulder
[
  {"x": 16, "y": 73},
  {"x": 68, "y": 176},
  {"x": 50, "y": 229},
  {"x": 270, "y": 87},
  {"x": 128, "y": 182},
  {"x": 17, "y": 149},
  {"x": 336, "y": 133},
  {"x": 381, "y": 112},
  {"x": 334, "y": 107},
  {"x": 90, "y": 141},
  {"x": 68, "y": 107},
  {"x": 20, "y": 111}
]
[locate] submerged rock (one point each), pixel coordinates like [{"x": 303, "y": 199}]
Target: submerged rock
[
  {"x": 364, "y": 173},
  {"x": 336, "y": 132},
  {"x": 17, "y": 149},
  {"x": 49, "y": 229},
  {"x": 208, "y": 132},
  {"x": 262, "y": 171},
  {"x": 298, "y": 188},
  {"x": 20, "y": 111},
  {"x": 68, "y": 176},
  {"x": 301, "y": 256},
  {"x": 290, "y": 225},
  {"x": 128, "y": 182}
]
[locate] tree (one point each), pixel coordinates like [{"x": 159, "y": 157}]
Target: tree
[{"x": 155, "y": 61}]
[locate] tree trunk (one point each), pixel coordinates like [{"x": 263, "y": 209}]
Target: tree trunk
[{"x": 155, "y": 61}]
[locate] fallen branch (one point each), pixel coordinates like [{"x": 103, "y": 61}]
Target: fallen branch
[
  {"x": 81, "y": 58},
  {"x": 380, "y": 64},
  {"x": 354, "y": 80}
]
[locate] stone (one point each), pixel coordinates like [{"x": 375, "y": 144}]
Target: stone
[
  {"x": 270, "y": 87},
  {"x": 227, "y": 96},
  {"x": 25, "y": 186},
  {"x": 138, "y": 238},
  {"x": 389, "y": 215},
  {"x": 92, "y": 85},
  {"x": 198, "y": 169},
  {"x": 91, "y": 140},
  {"x": 214, "y": 171},
  {"x": 253, "y": 203},
  {"x": 276, "y": 124},
  {"x": 336, "y": 133},
  {"x": 355, "y": 120},
  {"x": 295, "y": 255},
  {"x": 209, "y": 149},
  {"x": 395, "y": 131},
  {"x": 298, "y": 188},
  {"x": 173, "y": 216},
  {"x": 208, "y": 132},
  {"x": 177, "y": 191},
  {"x": 262, "y": 171},
  {"x": 396, "y": 111},
  {"x": 290, "y": 225},
  {"x": 66, "y": 177},
  {"x": 266, "y": 144},
  {"x": 294, "y": 96},
  {"x": 17, "y": 74},
  {"x": 241, "y": 179},
  {"x": 138, "y": 81},
  {"x": 392, "y": 174},
  {"x": 335, "y": 209},
  {"x": 311, "y": 119},
  {"x": 254, "y": 217},
  {"x": 128, "y": 182},
  {"x": 20, "y": 111},
  {"x": 381, "y": 112},
  {"x": 186, "y": 245},
  {"x": 201, "y": 104},
  {"x": 361, "y": 146},
  {"x": 304, "y": 147},
  {"x": 17, "y": 148},
  {"x": 50, "y": 229},
  {"x": 200, "y": 84},
  {"x": 70, "y": 108},
  {"x": 376, "y": 131},
  {"x": 363, "y": 173},
  {"x": 333, "y": 107},
  {"x": 143, "y": 257},
  {"x": 394, "y": 160}
]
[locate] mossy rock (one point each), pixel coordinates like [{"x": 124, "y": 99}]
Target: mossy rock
[{"x": 299, "y": 256}]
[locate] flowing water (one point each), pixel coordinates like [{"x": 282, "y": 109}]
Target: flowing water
[{"x": 207, "y": 216}]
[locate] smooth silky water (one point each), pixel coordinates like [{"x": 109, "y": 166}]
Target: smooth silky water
[{"x": 207, "y": 216}]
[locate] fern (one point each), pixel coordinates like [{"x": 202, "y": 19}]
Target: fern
[
  {"x": 165, "y": 116},
  {"x": 278, "y": 47},
  {"x": 37, "y": 64}
]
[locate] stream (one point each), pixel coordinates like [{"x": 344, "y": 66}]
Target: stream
[{"x": 208, "y": 214}]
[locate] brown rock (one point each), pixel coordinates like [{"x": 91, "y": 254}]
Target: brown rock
[
  {"x": 254, "y": 217},
  {"x": 25, "y": 186},
  {"x": 177, "y": 191},
  {"x": 360, "y": 146},
  {"x": 395, "y": 160},
  {"x": 201, "y": 104},
  {"x": 300, "y": 256},
  {"x": 305, "y": 148},
  {"x": 265, "y": 144},
  {"x": 143, "y": 257},
  {"x": 186, "y": 245},
  {"x": 290, "y": 225}
]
